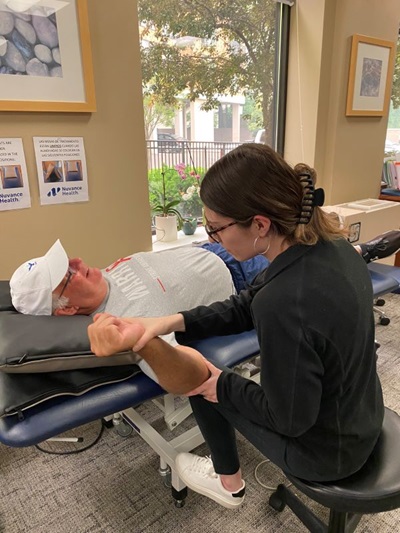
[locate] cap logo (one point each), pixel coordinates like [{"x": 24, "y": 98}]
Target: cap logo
[{"x": 31, "y": 265}]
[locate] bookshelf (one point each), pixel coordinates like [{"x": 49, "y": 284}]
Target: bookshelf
[
  {"x": 392, "y": 199},
  {"x": 389, "y": 197}
]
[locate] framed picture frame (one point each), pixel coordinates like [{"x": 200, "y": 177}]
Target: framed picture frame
[
  {"x": 370, "y": 75},
  {"x": 47, "y": 64}
]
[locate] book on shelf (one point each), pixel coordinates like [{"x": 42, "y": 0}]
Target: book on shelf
[{"x": 391, "y": 174}]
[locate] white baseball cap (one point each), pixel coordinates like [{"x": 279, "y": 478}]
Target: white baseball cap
[{"x": 33, "y": 282}]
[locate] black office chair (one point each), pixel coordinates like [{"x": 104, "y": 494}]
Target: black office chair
[
  {"x": 382, "y": 284},
  {"x": 374, "y": 489}
]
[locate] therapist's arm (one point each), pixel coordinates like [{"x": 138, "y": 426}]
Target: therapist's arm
[{"x": 154, "y": 327}]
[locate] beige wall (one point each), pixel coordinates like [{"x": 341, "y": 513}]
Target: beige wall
[
  {"x": 115, "y": 222},
  {"x": 346, "y": 151}
]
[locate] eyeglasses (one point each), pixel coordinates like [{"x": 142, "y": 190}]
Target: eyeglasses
[
  {"x": 212, "y": 232},
  {"x": 70, "y": 273}
]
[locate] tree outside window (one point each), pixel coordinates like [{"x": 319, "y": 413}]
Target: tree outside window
[{"x": 208, "y": 48}]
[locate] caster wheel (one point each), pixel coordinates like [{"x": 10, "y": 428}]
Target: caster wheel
[
  {"x": 384, "y": 321},
  {"x": 379, "y": 302},
  {"x": 123, "y": 429},
  {"x": 276, "y": 502},
  {"x": 179, "y": 503}
]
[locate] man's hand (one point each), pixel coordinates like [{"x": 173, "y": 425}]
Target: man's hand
[
  {"x": 208, "y": 389},
  {"x": 109, "y": 334}
]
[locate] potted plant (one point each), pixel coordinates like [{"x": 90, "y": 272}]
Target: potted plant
[
  {"x": 166, "y": 217},
  {"x": 190, "y": 199},
  {"x": 191, "y": 205}
]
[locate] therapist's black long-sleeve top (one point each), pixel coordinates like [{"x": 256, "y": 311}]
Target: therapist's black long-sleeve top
[{"x": 312, "y": 310}]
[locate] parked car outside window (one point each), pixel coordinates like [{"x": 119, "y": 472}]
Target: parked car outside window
[{"x": 168, "y": 142}]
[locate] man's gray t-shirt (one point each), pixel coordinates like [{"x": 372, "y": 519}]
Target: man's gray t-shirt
[{"x": 165, "y": 282}]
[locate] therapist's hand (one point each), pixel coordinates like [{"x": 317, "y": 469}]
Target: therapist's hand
[
  {"x": 208, "y": 389},
  {"x": 154, "y": 327},
  {"x": 109, "y": 334}
]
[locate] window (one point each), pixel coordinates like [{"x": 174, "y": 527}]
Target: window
[
  {"x": 390, "y": 179},
  {"x": 214, "y": 76}
]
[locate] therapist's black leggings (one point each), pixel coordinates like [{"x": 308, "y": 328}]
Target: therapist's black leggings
[{"x": 218, "y": 424}]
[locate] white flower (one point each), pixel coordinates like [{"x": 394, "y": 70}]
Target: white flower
[{"x": 190, "y": 192}]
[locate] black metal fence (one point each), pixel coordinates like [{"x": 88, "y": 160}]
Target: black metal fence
[{"x": 199, "y": 154}]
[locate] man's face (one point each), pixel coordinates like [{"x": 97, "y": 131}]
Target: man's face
[{"x": 84, "y": 286}]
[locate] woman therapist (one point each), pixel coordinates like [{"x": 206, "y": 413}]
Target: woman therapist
[{"x": 318, "y": 410}]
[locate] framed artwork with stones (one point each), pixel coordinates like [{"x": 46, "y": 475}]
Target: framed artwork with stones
[{"x": 45, "y": 56}]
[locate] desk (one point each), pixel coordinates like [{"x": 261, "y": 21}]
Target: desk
[{"x": 392, "y": 199}]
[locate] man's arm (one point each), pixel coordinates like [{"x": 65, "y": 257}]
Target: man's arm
[{"x": 179, "y": 370}]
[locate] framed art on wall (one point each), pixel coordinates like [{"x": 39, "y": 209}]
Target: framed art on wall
[
  {"x": 371, "y": 69},
  {"x": 45, "y": 56}
]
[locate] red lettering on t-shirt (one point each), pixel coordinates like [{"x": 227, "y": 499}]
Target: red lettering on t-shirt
[
  {"x": 118, "y": 262},
  {"x": 161, "y": 283}
]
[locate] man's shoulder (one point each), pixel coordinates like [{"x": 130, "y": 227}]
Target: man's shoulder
[
  {"x": 187, "y": 255},
  {"x": 182, "y": 251}
]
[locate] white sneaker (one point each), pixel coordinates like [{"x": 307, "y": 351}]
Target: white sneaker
[{"x": 199, "y": 475}]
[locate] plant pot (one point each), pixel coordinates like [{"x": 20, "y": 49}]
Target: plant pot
[
  {"x": 166, "y": 228},
  {"x": 189, "y": 226}
]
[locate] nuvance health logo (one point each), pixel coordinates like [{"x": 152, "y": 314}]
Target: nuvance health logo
[
  {"x": 54, "y": 191},
  {"x": 65, "y": 191}
]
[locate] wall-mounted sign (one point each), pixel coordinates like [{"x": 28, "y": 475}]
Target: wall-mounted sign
[
  {"x": 61, "y": 169},
  {"x": 14, "y": 186}
]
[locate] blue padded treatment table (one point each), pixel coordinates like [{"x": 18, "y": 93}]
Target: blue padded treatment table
[
  {"x": 382, "y": 283},
  {"x": 388, "y": 271},
  {"x": 55, "y": 416}
]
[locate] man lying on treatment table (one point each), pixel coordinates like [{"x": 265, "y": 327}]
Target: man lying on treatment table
[{"x": 143, "y": 284}]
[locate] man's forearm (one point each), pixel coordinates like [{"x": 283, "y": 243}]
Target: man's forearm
[{"x": 179, "y": 369}]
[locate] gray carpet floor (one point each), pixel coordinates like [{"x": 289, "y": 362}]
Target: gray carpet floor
[{"x": 114, "y": 487}]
